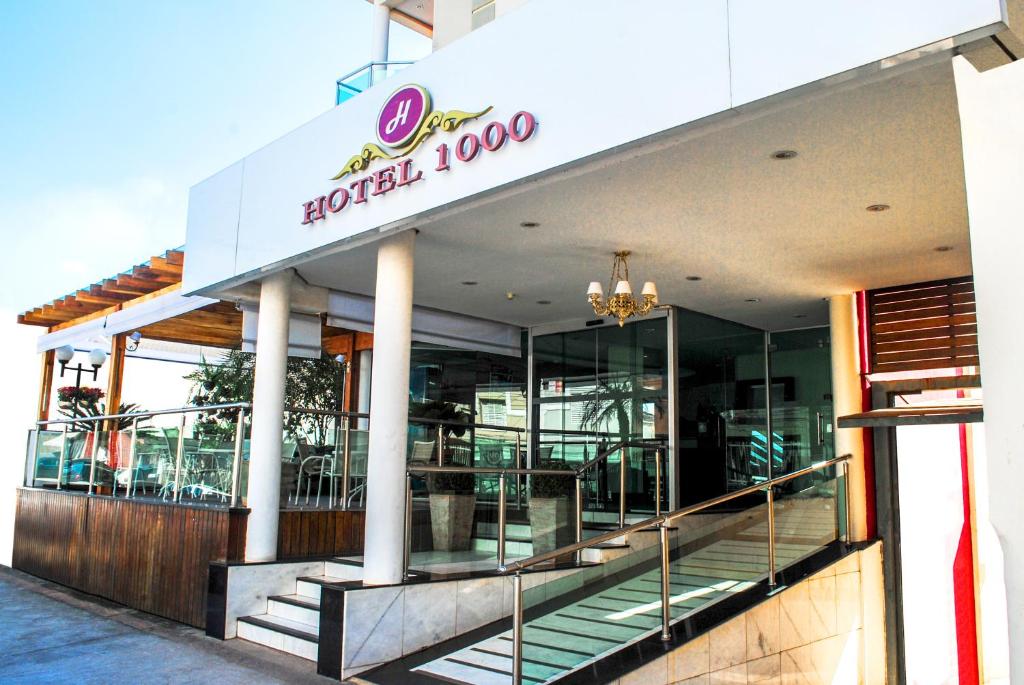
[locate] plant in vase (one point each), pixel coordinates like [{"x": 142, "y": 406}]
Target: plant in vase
[
  {"x": 80, "y": 404},
  {"x": 551, "y": 506},
  {"x": 452, "y": 504}
]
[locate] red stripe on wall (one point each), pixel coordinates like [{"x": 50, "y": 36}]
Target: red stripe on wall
[
  {"x": 863, "y": 328},
  {"x": 963, "y": 579}
]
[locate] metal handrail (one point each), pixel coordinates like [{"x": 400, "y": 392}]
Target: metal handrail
[
  {"x": 136, "y": 416},
  {"x": 623, "y": 461},
  {"x": 370, "y": 65},
  {"x": 662, "y": 522},
  {"x": 145, "y": 414}
]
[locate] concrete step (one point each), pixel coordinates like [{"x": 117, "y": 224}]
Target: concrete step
[
  {"x": 281, "y": 634},
  {"x": 295, "y": 608}
]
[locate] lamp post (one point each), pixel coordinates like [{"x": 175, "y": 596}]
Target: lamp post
[{"x": 97, "y": 357}]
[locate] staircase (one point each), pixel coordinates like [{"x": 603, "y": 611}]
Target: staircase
[{"x": 292, "y": 622}]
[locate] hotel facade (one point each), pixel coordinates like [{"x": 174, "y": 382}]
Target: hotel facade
[{"x": 438, "y": 432}]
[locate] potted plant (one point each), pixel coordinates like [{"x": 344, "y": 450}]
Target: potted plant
[
  {"x": 452, "y": 503},
  {"x": 551, "y": 507}
]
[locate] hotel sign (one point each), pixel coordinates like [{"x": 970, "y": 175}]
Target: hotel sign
[{"x": 404, "y": 122}]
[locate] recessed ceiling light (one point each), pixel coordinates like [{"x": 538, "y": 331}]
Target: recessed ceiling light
[
  {"x": 877, "y": 208},
  {"x": 784, "y": 154},
  {"x": 469, "y": 282},
  {"x": 752, "y": 299},
  {"x": 543, "y": 301},
  {"x": 693, "y": 278},
  {"x": 799, "y": 316},
  {"x": 529, "y": 224},
  {"x": 510, "y": 295},
  {"x": 944, "y": 248}
]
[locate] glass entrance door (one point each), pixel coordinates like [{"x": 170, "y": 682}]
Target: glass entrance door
[{"x": 596, "y": 387}]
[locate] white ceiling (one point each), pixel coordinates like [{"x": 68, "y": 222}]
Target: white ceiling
[{"x": 718, "y": 206}]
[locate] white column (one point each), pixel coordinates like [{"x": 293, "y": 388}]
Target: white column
[
  {"x": 389, "y": 412},
  {"x": 365, "y": 367},
  {"x": 379, "y": 37},
  {"x": 267, "y": 418},
  {"x": 846, "y": 399},
  {"x": 991, "y": 108}
]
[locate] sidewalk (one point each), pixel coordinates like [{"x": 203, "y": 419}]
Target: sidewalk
[{"x": 50, "y": 634}]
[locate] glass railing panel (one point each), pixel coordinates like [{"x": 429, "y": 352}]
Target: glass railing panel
[
  {"x": 807, "y": 515},
  {"x": 48, "y": 445},
  {"x": 152, "y": 469}
]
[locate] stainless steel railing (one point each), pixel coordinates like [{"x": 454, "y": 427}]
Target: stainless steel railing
[
  {"x": 97, "y": 422},
  {"x": 662, "y": 522},
  {"x": 361, "y": 78},
  {"x": 578, "y": 474}
]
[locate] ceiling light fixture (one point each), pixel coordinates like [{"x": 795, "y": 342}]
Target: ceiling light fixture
[
  {"x": 944, "y": 248},
  {"x": 469, "y": 282},
  {"x": 877, "y": 208},
  {"x": 693, "y": 278},
  {"x": 619, "y": 301},
  {"x": 543, "y": 301},
  {"x": 529, "y": 224},
  {"x": 799, "y": 316},
  {"x": 784, "y": 154},
  {"x": 752, "y": 299}
]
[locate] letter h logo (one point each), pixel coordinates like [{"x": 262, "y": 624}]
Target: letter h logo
[{"x": 400, "y": 116}]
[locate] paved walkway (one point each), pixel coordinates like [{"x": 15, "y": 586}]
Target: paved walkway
[{"x": 49, "y": 634}]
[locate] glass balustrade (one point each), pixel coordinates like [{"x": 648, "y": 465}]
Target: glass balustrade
[{"x": 364, "y": 77}]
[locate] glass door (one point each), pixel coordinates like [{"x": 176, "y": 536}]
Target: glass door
[{"x": 597, "y": 387}]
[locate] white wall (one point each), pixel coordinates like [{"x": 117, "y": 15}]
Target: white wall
[
  {"x": 18, "y": 408},
  {"x": 992, "y": 121},
  {"x": 576, "y": 64}
]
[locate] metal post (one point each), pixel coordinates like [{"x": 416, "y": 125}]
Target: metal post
[
  {"x": 769, "y": 428},
  {"x": 517, "y": 630},
  {"x": 771, "y": 536},
  {"x": 408, "y": 525},
  {"x": 63, "y": 451},
  {"x": 345, "y": 461},
  {"x": 177, "y": 461},
  {"x": 657, "y": 482},
  {"x": 334, "y": 460},
  {"x": 579, "y": 517},
  {"x": 440, "y": 445},
  {"x": 236, "y": 460},
  {"x": 666, "y": 602},
  {"x": 95, "y": 450},
  {"x": 130, "y": 487},
  {"x": 501, "y": 519},
  {"x": 519, "y": 465},
  {"x": 622, "y": 487},
  {"x": 846, "y": 495}
]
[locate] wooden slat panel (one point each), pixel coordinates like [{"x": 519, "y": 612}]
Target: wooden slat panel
[
  {"x": 319, "y": 533},
  {"x": 151, "y": 556},
  {"x": 923, "y": 326}
]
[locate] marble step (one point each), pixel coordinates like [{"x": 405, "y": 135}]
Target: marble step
[
  {"x": 295, "y": 608},
  {"x": 343, "y": 569},
  {"x": 281, "y": 634},
  {"x": 309, "y": 586}
]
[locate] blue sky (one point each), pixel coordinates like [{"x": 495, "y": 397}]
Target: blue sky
[{"x": 110, "y": 110}]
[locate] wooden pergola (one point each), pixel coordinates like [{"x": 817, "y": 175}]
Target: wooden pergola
[{"x": 214, "y": 325}]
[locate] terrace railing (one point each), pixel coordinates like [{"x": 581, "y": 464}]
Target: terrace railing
[{"x": 358, "y": 80}]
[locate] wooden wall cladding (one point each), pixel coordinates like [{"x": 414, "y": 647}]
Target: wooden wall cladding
[
  {"x": 152, "y": 556},
  {"x": 313, "y": 533},
  {"x": 923, "y": 326}
]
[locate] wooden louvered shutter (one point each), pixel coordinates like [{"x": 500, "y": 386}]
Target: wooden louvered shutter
[{"x": 923, "y": 326}]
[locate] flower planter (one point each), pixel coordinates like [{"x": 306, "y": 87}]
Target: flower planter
[
  {"x": 451, "y": 521},
  {"x": 550, "y": 523}
]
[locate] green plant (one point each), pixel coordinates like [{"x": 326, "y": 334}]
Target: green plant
[
  {"x": 552, "y": 486},
  {"x": 309, "y": 384},
  {"x": 81, "y": 403},
  {"x": 446, "y": 483}
]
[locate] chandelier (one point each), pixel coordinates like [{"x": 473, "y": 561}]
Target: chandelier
[{"x": 620, "y": 302}]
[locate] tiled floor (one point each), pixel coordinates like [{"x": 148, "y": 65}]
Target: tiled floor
[{"x": 54, "y": 635}]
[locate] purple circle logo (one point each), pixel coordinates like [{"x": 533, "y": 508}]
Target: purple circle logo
[{"x": 402, "y": 114}]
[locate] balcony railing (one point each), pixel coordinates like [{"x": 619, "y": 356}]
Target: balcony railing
[{"x": 372, "y": 73}]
